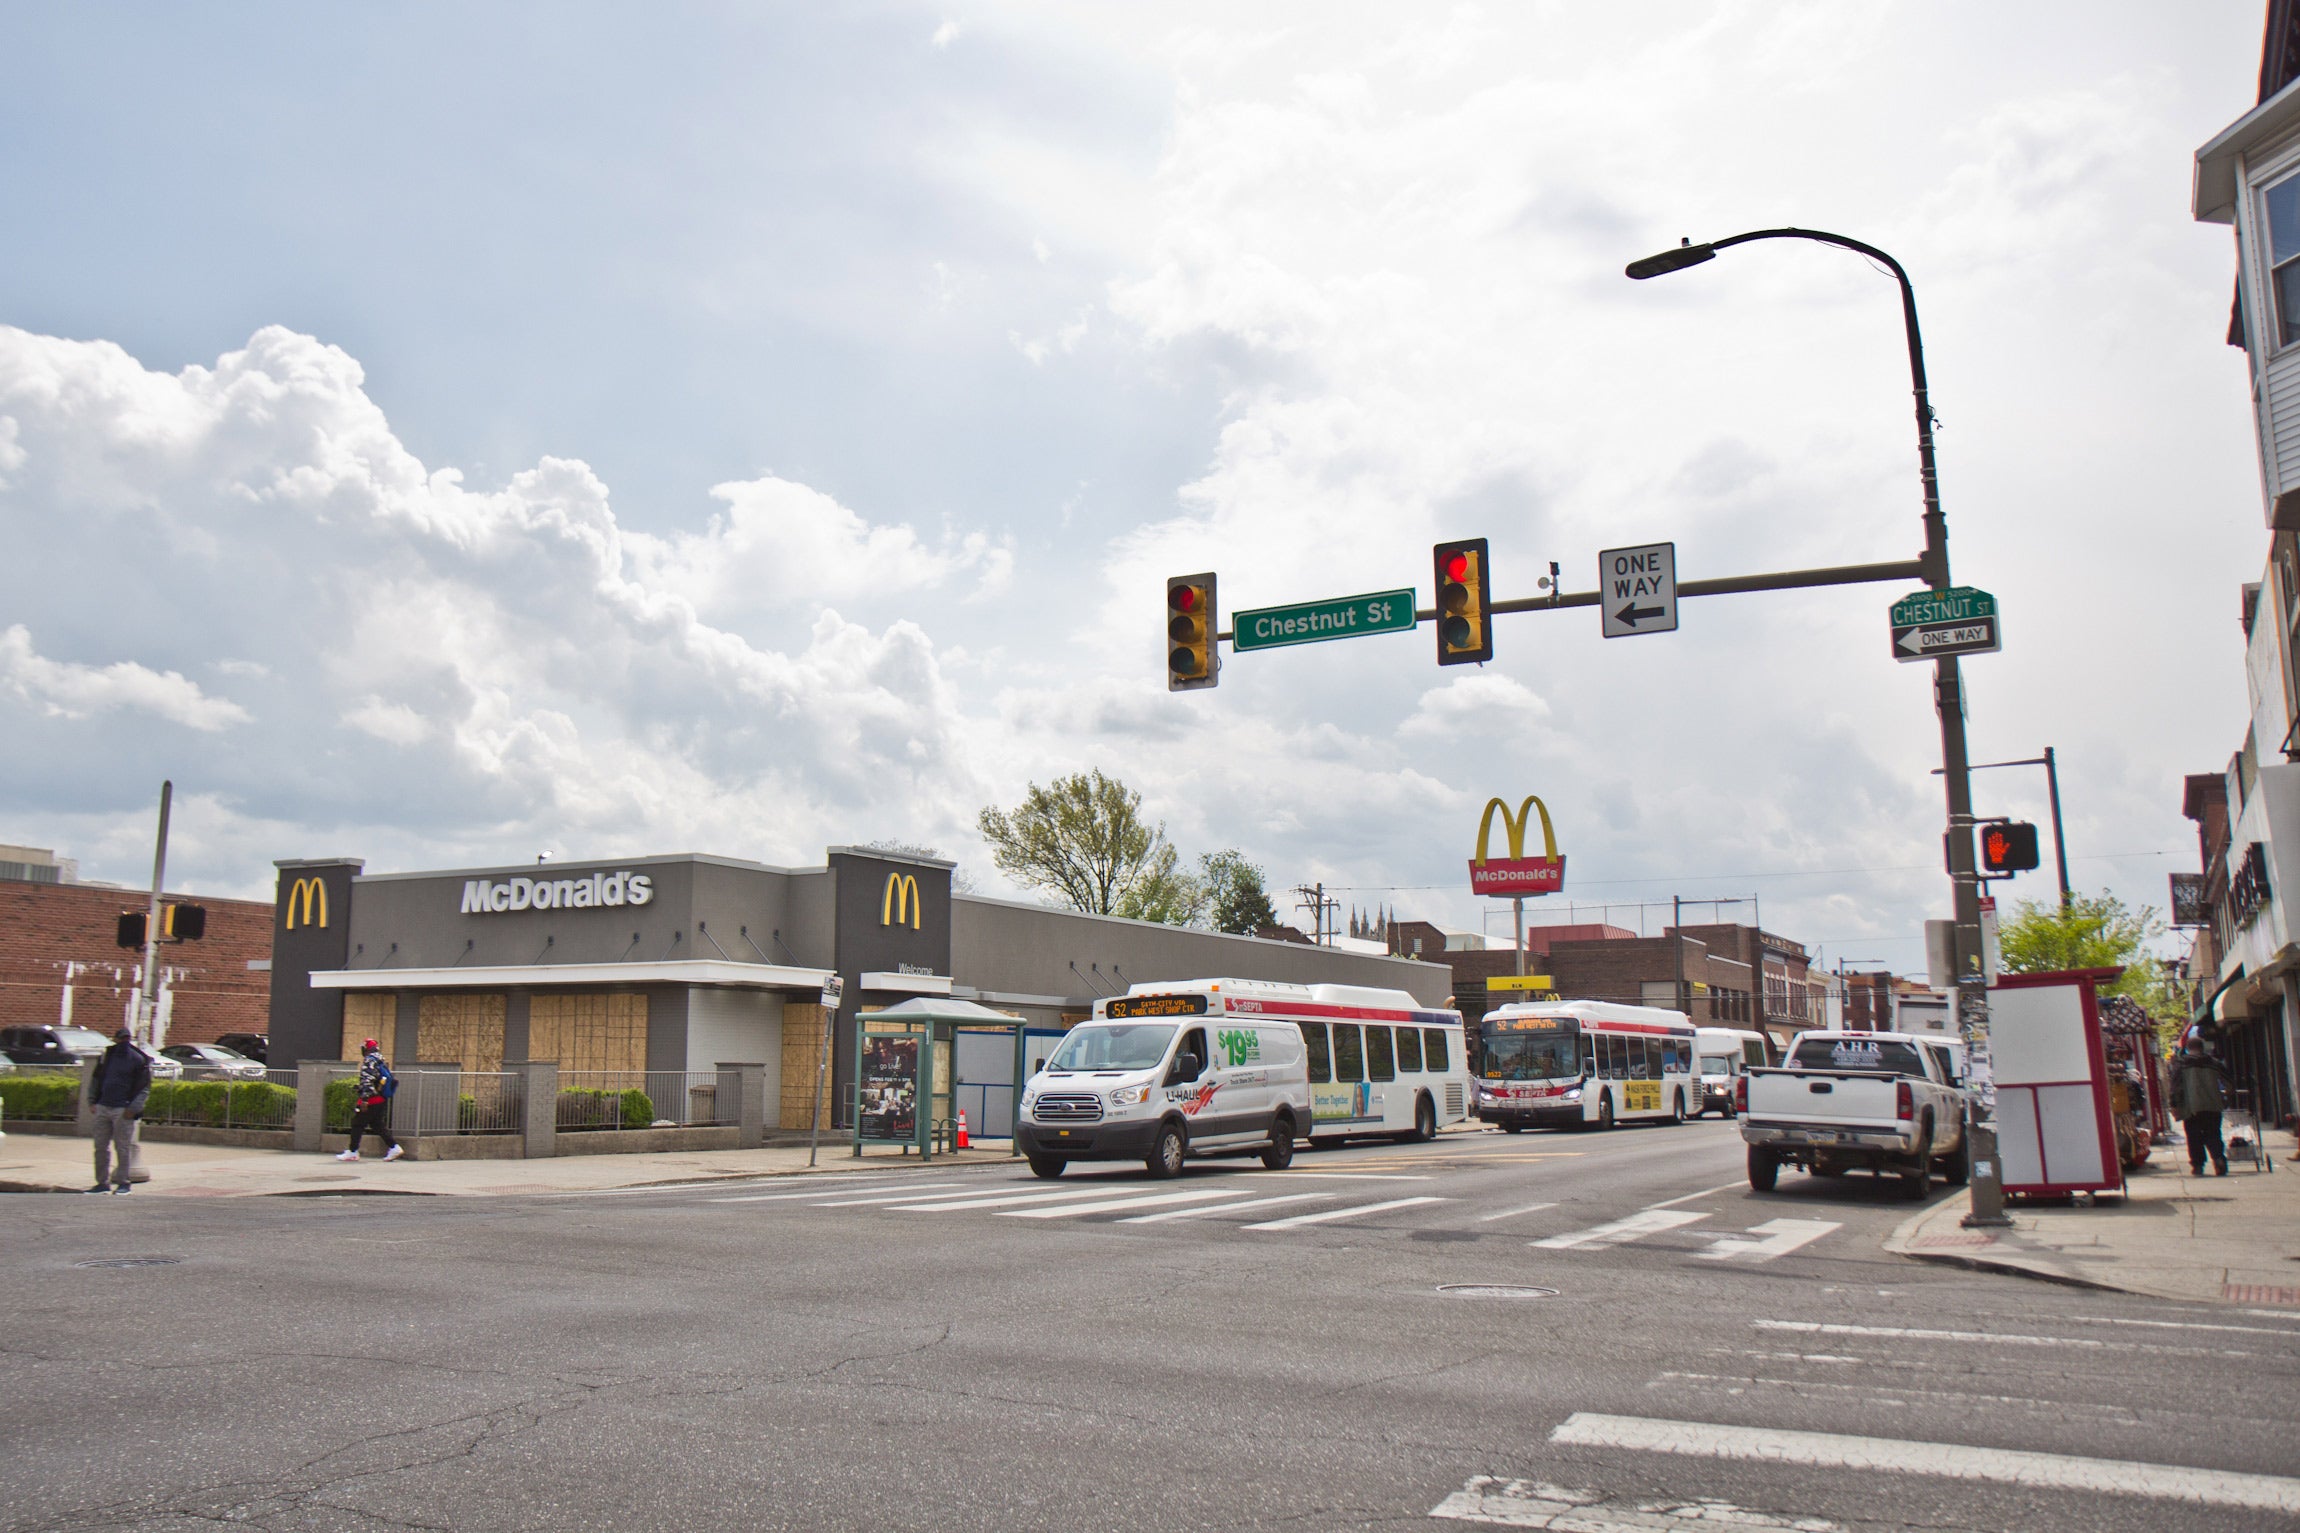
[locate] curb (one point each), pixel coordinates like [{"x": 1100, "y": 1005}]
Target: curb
[{"x": 1898, "y": 1244}]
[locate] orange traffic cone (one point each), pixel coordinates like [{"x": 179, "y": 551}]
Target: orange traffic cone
[{"x": 962, "y": 1139}]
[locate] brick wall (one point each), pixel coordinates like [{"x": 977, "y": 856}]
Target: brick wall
[{"x": 48, "y": 929}]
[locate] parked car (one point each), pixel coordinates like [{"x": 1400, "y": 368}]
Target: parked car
[
  {"x": 163, "y": 1068},
  {"x": 51, "y": 1044},
  {"x": 255, "y": 1046},
  {"x": 213, "y": 1062},
  {"x": 1889, "y": 1103}
]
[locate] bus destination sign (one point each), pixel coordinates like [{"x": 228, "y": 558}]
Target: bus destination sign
[{"x": 1126, "y": 1006}]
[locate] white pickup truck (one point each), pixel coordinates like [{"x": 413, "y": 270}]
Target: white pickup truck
[{"x": 1889, "y": 1103}]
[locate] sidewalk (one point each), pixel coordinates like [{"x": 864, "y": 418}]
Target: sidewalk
[
  {"x": 2232, "y": 1239},
  {"x": 57, "y": 1163}
]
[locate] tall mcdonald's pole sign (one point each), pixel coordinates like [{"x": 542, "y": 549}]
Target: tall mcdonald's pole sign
[{"x": 1516, "y": 875}]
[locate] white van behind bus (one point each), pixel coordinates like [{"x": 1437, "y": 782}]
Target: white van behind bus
[{"x": 1722, "y": 1054}]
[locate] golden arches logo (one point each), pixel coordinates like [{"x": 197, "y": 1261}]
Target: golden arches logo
[
  {"x": 901, "y": 900},
  {"x": 1514, "y": 826},
  {"x": 313, "y": 896}
]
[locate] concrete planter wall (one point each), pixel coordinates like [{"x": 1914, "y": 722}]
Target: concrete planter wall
[{"x": 642, "y": 1141}]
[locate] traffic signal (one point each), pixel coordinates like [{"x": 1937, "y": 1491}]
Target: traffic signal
[
  {"x": 131, "y": 932},
  {"x": 1191, "y": 659},
  {"x": 2009, "y": 847},
  {"x": 1464, "y": 586},
  {"x": 183, "y": 923}
]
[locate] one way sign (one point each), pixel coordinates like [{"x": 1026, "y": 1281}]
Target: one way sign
[{"x": 1637, "y": 589}]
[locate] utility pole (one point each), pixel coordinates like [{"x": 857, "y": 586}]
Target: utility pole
[
  {"x": 147, "y": 991},
  {"x": 1313, "y": 899}
]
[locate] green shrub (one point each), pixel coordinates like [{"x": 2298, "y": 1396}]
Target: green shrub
[
  {"x": 222, "y": 1104},
  {"x": 584, "y": 1107},
  {"x": 40, "y": 1096},
  {"x": 340, "y": 1104}
]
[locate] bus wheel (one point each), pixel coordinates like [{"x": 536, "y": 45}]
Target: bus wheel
[
  {"x": 1677, "y": 1107},
  {"x": 1605, "y": 1111},
  {"x": 1425, "y": 1122}
]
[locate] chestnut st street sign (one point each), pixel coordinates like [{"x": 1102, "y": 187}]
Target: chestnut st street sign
[
  {"x": 1310, "y": 622},
  {"x": 1929, "y": 625}
]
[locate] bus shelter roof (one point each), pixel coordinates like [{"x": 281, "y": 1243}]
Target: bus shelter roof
[{"x": 931, "y": 1009}]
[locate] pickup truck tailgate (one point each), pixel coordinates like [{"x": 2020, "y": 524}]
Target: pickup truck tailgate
[{"x": 1824, "y": 1097}]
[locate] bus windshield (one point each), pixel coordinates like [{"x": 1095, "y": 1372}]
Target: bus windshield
[
  {"x": 1113, "y": 1046},
  {"x": 1552, "y": 1054}
]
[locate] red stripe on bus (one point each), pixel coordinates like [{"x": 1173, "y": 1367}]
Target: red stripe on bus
[{"x": 1280, "y": 1011}]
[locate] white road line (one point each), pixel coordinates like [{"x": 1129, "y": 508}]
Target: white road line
[
  {"x": 1111, "y": 1205},
  {"x": 1348, "y": 1176},
  {"x": 956, "y": 1204},
  {"x": 1530, "y": 1208},
  {"x": 1519, "y": 1504},
  {"x": 1621, "y": 1231},
  {"x": 2002, "y": 1466},
  {"x": 919, "y": 1195},
  {"x": 1229, "y": 1208},
  {"x": 1779, "y": 1238},
  {"x": 1332, "y": 1214},
  {"x": 2184, "y": 1325},
  {"x": 817, "y": 1192},
  {"x": 1708, "y": 1192},
  {"x": 1999, "y": 1338}
]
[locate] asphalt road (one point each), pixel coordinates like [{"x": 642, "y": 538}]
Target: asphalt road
[{"x": 913, "y": 1350}]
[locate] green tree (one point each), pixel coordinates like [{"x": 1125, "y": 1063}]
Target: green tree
[
  {"x": 1164, "y": 893},
  {"x": 1236, "y": 900},
  {"x": 2095, "y": 932},
  {"x": 1083, "y": 838}
]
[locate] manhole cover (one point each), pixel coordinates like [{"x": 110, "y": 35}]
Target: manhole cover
[
  {"x": 1496, "y": 1291},
  {"x": 130, "y": 1261}
]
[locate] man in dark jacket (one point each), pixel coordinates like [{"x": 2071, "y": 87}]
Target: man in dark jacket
[
  {"x": 371, "y": 1103},
  {"x": 116, "y": 1092},
  {"x": 2197, "y": 1102}
]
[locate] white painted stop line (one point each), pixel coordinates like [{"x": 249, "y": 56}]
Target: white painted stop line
[
  {"x": 2001, "y": 1466},
  {"x": 1621, "y": 1231},
  {"x": 1778, "y": 1238}
]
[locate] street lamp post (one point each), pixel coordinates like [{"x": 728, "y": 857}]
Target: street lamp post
[{"x": 1948, "y": 702}]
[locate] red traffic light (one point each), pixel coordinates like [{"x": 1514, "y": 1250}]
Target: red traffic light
[
  {"x": 1457, "y": 566},
  {"x": 1182, "y": 598}
]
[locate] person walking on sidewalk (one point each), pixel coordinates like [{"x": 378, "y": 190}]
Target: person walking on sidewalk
[
  {"x": 2197, "y": 1102},
  {"x": 371, "y": 1103},
  {"x": 116, "y": 1092}
]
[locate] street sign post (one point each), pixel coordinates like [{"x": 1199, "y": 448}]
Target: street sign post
[
  {"x": 1932, "y": 625},
  {"x": 1312, "y": 622},
  {"x": 1638, "y": 588}
]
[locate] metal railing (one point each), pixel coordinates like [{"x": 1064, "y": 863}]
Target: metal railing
[
  {"x": 633, "y": 1099},
  {"x": 435, "y": 1102}
]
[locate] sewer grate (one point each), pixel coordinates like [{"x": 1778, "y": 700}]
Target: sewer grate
[
  {"x": 129, "y": 1261},
  {"x": 1495, "y": 1291}
]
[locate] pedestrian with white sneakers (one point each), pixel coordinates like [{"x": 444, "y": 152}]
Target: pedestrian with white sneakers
[
  {"x": 371, "y": 1103},
  {"x": 117, "y": 1088}
]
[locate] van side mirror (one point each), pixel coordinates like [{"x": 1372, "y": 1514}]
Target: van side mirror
[{"x": 1186, "y": 1068}]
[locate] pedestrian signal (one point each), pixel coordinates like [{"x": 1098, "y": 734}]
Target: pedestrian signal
[
  {"x": 131, "y": 932},
  {"x": 1191, "y": 659},
  {"x": 2009, "y": 847},
  {"x": 1464, "y": 586},
  {"x": 183, "y": 923}
]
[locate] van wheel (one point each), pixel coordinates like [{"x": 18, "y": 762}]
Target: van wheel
[
  {"x": 1167, "y": 1154},
  {"x": 1605, "y": 1111},
  {"x": 1764, "y": 1168},
  {"x": 1047, "y": 1166},
  {"x": 1280, "y": 1152}
]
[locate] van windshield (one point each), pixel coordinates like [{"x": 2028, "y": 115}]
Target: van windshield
[
  {"x": 1716, "y": 1064},
  {"x": 1113, "y": 1046}
]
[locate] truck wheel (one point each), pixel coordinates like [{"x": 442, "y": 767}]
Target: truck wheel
[
  {"x": 1513, "y": 1128},
  {"x": 1280, "y": 1152},
  {"x": 1605, "y": 1111},
  {"x": 1167, "y": 1154},
  {"x": 1917, "y": 1182},
  {"x": 1764, "y": 1168},
  {"x": 1956, "y": 1167},
  {"x": 1047, "y": 1166}
]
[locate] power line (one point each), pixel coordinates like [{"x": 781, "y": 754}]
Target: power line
[{"x": 1695, "y": 878}]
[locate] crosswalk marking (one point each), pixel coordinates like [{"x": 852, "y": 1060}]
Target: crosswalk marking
[
  {"x": 948, "y": 1205},
  {"x": 1332, "y": 1214},
  {"x": 1637, "y": 1226},
  {"x": 1781, "y": 1236},
  {"x": 1512, "y": 1213},
  {"x": 1527, "y": 1504},
  {"x": 1229, "y": 1208},
  {"x": 2003, "y": 1466},
  {"x": 1112, "y": 1205},
  {"x": 916, "y": 1195},
  {"x": 878, "y": 1195}
]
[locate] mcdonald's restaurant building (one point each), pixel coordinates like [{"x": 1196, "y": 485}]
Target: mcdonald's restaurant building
[{"x": 691, "y": 961}]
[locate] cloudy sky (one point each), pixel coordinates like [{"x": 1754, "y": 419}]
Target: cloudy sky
[{"x": 442, "y": 433}]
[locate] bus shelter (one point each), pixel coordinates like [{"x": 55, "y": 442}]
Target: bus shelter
[{"x": 924, "y": 1061}]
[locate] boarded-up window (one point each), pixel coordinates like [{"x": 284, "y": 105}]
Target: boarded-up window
[
  {"x": 589, "y": 1032},
  {"x": 366, "y": 1015},
  {"x": 464, "y": 1028}
]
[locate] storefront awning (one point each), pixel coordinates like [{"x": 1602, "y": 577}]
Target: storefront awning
[{"x": 675, "y": 971}]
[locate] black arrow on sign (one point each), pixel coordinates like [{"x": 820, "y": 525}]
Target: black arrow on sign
[{"x": 1633, "y": 614}]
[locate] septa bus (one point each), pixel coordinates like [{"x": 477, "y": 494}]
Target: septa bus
[{"x": 1565, "y": 1064}]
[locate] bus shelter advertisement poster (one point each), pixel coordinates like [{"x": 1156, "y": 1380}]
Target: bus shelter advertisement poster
[{"x": 889, "y": 1077}]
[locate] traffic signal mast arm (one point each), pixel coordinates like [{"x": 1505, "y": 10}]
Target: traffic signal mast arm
[{"x": 1728, "y": 585}]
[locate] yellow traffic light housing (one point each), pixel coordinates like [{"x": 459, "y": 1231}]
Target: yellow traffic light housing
[
  {"x": 1191, "y": 658},
  {"x": 1464, "y": 626}
]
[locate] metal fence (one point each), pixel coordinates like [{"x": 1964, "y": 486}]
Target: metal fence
[
  {"x": 435, "y": 1102},
  {"x": 621, "y": 1099}
]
